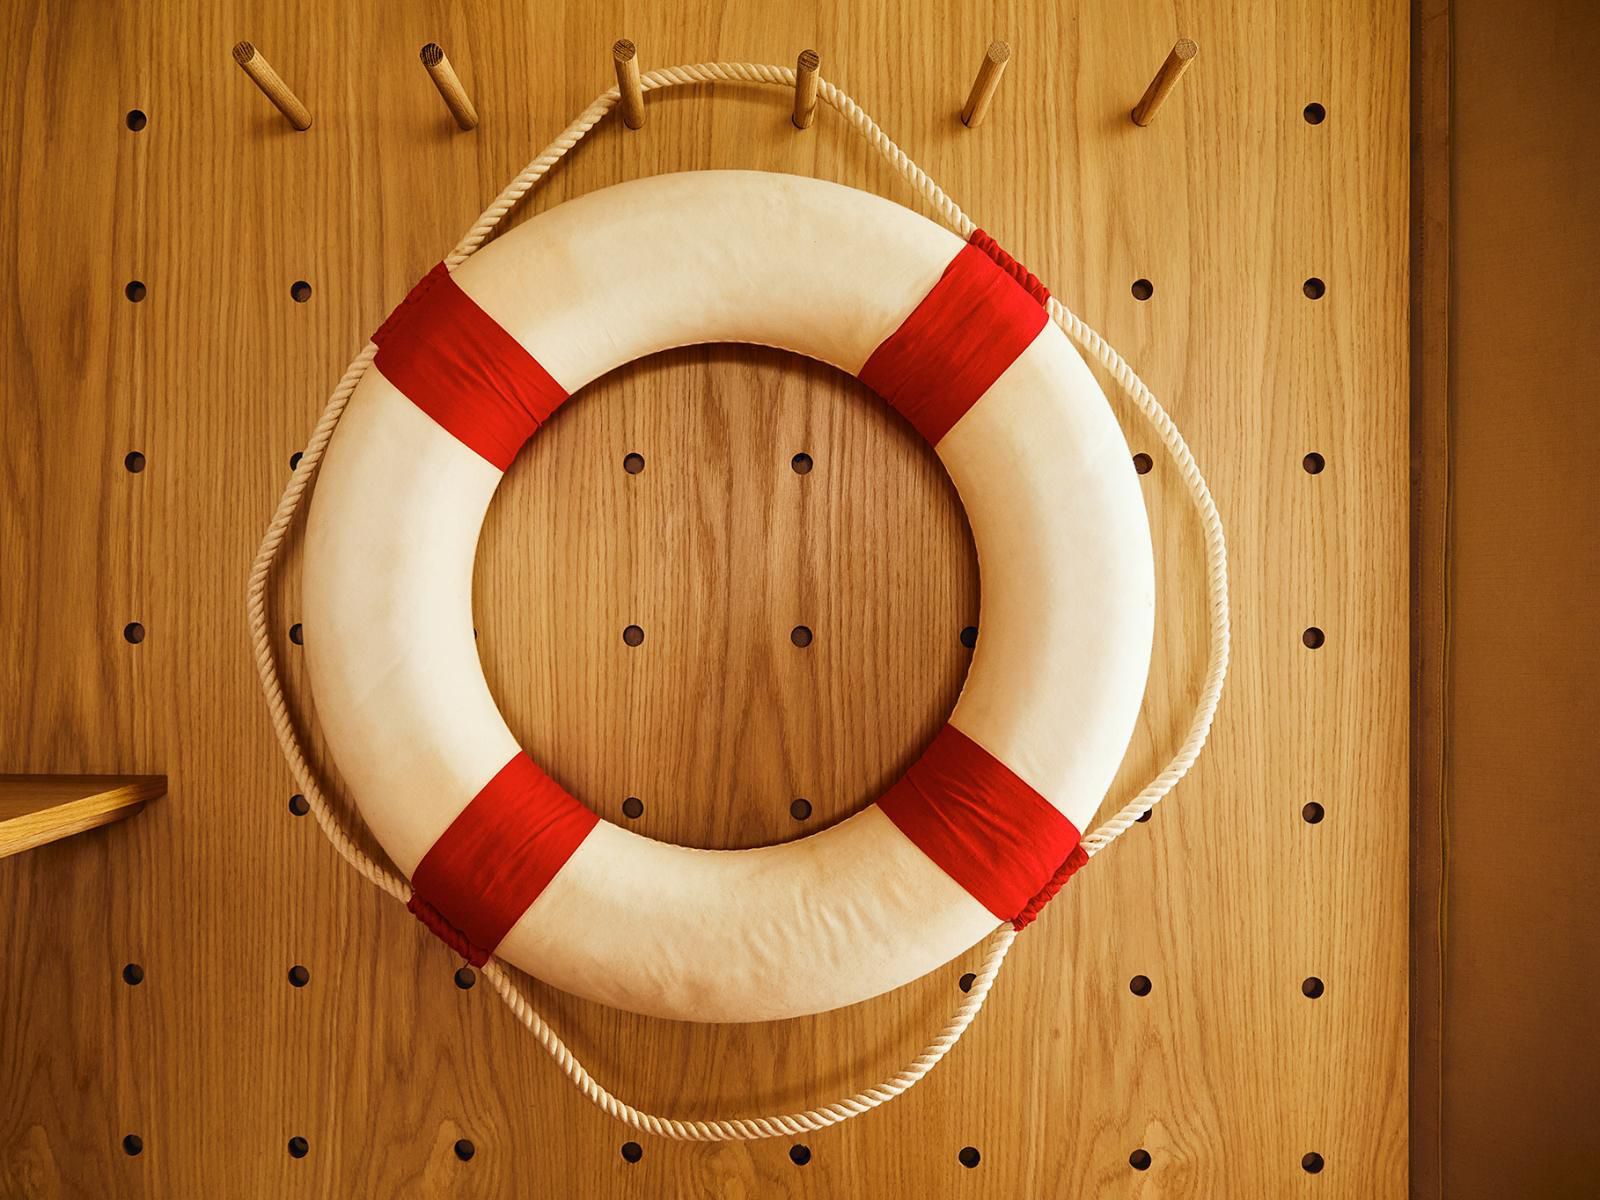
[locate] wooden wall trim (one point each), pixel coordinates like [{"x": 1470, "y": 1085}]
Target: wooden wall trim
[{"x": 1430, "y": 511}]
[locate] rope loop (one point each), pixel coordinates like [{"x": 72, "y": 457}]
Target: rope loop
[
  {"x": 1064, "y": 872},
  {"x": 439, "y": 925},
  {"x": 1000, "y": 942}
]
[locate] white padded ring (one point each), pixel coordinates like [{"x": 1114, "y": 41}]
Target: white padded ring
[{"x": 828, "y": 272}]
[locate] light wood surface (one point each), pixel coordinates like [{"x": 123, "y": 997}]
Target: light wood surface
[
  {"x": 1227, "y": 900},
  {"x": 35, "y": 809}
]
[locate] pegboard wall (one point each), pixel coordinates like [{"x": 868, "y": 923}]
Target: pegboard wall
[{"x": 203, "y": 1000}]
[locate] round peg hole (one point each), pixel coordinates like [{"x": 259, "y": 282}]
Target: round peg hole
[
  {"x": 133, "y": 633},
  {"x": 1313, "y": 638},
  {"x": 1139, "y": 985},
  {"x": 1314, "y": 463},
  {"x": 800, "y": 635},
  {"x": 1312, "y": 988},
  {"x": 1313, "y": 813},
  {"x": 632, "y": 1152},
  {"x": 133, "y": 974},
  {"x": 633, "y": 463},
  {"x": 299, "y": 1147},
  {"x": 300, "y": 291},
  {"x": 1143, "y": 289},
  {"x": 299, "y": 805},
  {"x": 633, "y": 636},
  {"x": 133, "y": 462},
  {"x": 465, "y": 1149},
  {"x": 135, "y": 290},
  {"x": 1146, "y": 815},
  {"x": 969, "y": 1157},
  {"x": 800, "y": 809},
  {"x": 966, "y": 981},
  {"x": 465, "y": 978},
  {"x": 132, "y": 1145},
  {"x": 1314, "y": 288},
  {"x": 297, "y": 634},
  {"x": 136, "y": 120},
  {"x": 1139, "y": 1160},
  {"x": 294, "y": 461},
  {"x": 299, "y": 976},
  {"x": 1312, "y": 1163},
  {"x": 801, "y": 464},
  {"x": 799, "y": 1155},
  {"x": 1142, "y": 463},
  {"x": 633, "y": 808},
  {"x": 1314, "y": 113},
  {"x": 969, "y": 637}
]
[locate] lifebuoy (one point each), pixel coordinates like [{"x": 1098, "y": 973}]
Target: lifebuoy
[{"x": 953, "y": 335}]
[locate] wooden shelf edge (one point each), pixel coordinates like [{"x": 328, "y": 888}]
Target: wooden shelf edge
[{"x": 35, "y": 809}]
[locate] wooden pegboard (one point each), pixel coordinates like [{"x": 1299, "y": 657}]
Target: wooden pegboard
[{"x": 1225, "y": 1073}]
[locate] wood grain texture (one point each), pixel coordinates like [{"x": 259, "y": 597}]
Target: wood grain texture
[
  {"x": 1225, "y": 1073},
  {"x": 35, "y": 809}
]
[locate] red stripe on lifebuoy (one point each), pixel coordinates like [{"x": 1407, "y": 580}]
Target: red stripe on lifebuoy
[
  {"x": 980, "y": 824},
  {"x": 501, "y": 851},
  {"x": 454, "y": 362},
  {"x": 974, "y": 323}
]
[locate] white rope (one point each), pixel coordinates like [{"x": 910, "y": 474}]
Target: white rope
[{"x": 999, "y": 943}]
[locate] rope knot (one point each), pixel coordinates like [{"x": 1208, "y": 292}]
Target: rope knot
[
  {"x": 1064, "y": 872},
  {"x": 404, "y": 309},
  {"x": 1027, "y": 279},
  {"x": 444, "y": 931}
]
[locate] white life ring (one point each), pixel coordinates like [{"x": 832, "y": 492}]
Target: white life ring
[{"x": 952, "y": 334}]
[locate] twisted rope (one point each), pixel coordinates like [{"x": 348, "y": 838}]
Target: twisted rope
[{"x": 1000, "y": 942}]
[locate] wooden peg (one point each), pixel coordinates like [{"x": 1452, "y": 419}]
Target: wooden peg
[
  {"x": 1166, "y": 79},
  {"x": 627, "y": 61},
  {"x": 805, "y": 88},
  {"x": 449, "y": 84},
  {"x": 989, "y": 72},
  {"x": 272, "y": 85}
]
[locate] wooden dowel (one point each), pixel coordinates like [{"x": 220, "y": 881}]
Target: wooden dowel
[
  {"x": 989, "y": 72},
  {"x": 805, "y": 88},
  {"x": 1166, "y": 79},
  {"x": 272, "y": 85},
  {"x": 449, "y": 84},
  {"x": 627, "y": 61}
]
